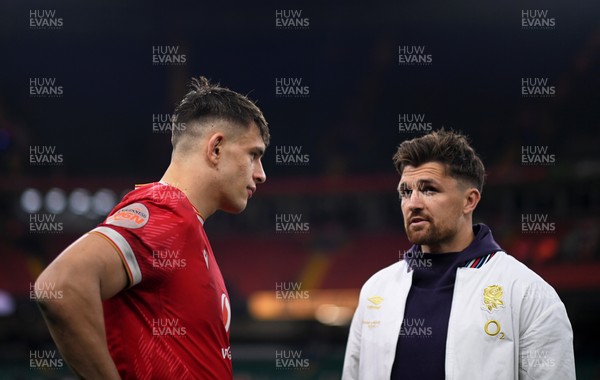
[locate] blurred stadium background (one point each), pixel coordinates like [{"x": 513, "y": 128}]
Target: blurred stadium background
[{"x": 107, "y": 73}]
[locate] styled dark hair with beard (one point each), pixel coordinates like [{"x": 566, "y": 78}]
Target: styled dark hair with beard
[{"x": 446, "y": 147}]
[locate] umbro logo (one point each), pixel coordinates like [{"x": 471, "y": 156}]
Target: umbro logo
[{"x": 376, "y": 302}]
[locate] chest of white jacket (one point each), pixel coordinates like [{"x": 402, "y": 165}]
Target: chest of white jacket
[{"x": 483, "y": 315}]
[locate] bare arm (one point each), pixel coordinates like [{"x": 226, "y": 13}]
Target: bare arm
[{"x": 83, "y": 275}]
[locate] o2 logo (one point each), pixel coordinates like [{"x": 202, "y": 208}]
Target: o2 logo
[{"x": 492, "y": 328}]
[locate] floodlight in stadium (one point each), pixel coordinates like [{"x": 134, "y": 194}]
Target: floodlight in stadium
[
  {"x": 55, "y": 200},
  {"x": 104, "y": 200},
  {"x": 329, "y": 306},
  {"x": 7, "y": 303},
  {"x": 31, "y": 201},
  {"x": 333, "y": 315},
  {"x": 80, "y": 202}
]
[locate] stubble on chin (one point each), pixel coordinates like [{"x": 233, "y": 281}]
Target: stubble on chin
[{"x": 424, "y": 236}]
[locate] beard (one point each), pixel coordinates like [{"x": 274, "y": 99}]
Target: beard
[{"x": 431, "y": 234}]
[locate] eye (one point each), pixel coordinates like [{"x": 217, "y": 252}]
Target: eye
[
  {"x": 429, "y": 191},
  {"x": 405, "y": 193}
]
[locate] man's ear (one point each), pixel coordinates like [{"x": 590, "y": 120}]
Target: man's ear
[
  {"x": 214, "y": 148},
  {"x": 472, "y": 197}
]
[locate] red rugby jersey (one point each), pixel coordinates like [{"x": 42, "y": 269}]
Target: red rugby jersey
[{"x": 172, "y": 322}]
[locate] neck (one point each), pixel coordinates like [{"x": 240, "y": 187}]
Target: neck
[
  {"x": 463, "y": 238},
  {"x": 195, "y": 188}
]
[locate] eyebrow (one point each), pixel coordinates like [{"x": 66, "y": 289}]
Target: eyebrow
[{"x": 420, "y": 183}]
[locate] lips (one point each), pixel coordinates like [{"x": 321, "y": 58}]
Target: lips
[
  {"x": 250, "y": 191},
  {"x": 417, "y": 220}
]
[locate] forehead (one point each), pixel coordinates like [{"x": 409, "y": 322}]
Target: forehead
[
  {"x": 430, "y": 171},
  {"x": 249, "y": 136}
]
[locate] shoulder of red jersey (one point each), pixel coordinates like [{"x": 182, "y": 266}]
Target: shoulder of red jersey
[
  {"x": 147, "y": 220},
  {"x": 133, "y": 210}
]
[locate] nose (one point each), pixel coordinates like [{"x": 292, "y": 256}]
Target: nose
[
  {"x": 413, "y": 202},
  {"x": 259, "y": 173}
]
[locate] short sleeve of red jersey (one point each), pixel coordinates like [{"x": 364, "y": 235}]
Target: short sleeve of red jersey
[{"x": 140, "y": 230}]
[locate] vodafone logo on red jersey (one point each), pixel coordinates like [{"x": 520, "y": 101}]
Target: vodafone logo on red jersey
[
  {"x": 135, "y": 215},
  {"x": 226, "y": 309}
]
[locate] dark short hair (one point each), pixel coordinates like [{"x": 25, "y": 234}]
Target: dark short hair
[
  {"x": 206, "y": 100},
  {"x": 446, "y": 147}
]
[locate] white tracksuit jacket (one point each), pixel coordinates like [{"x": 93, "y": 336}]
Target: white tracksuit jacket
[{"x": 526, "y": 334}]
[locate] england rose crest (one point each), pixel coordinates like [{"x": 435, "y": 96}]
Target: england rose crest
[{"x": 492, "y": 298}]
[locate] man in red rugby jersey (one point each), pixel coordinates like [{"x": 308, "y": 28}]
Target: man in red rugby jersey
[{"x": 142, "y": 294}]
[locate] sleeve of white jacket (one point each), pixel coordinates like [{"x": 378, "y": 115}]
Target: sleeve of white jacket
[
  {"x": 352, "y": 357},
  {"x": 546, "y": 344}
]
